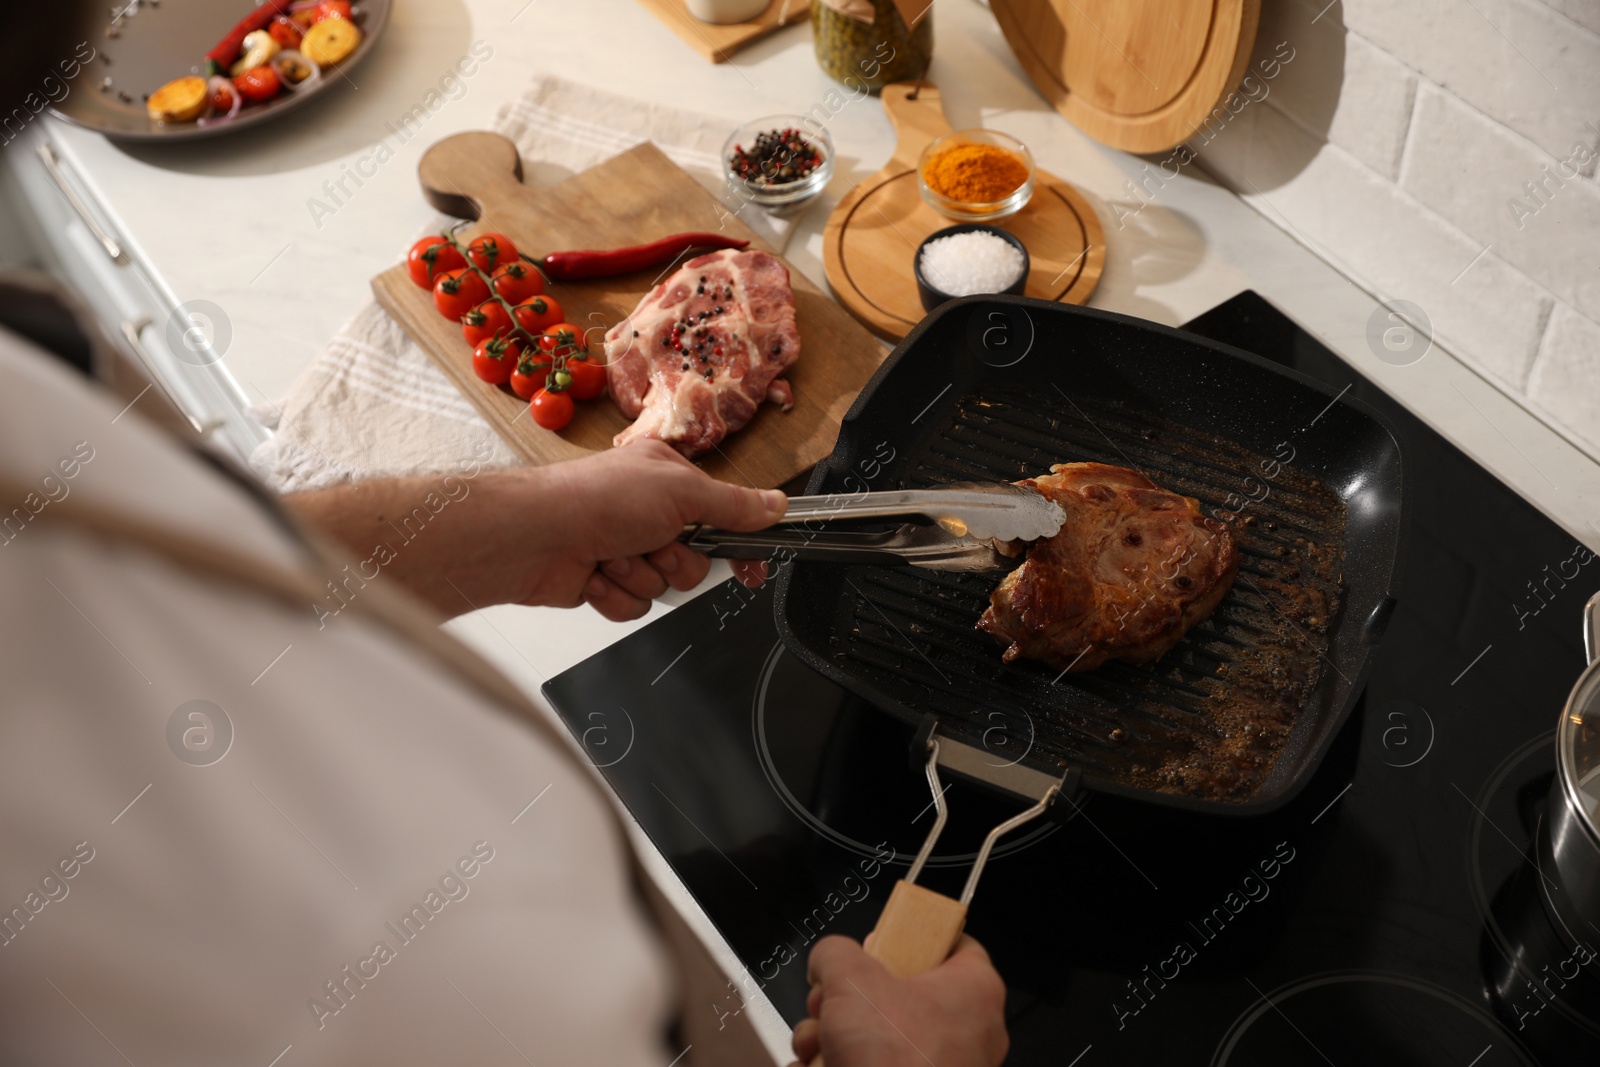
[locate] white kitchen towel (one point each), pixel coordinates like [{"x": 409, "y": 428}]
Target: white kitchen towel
[{"x": 372, "y": 404}]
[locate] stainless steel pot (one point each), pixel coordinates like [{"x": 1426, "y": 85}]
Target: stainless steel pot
[{"x": 1573, "y": 819}]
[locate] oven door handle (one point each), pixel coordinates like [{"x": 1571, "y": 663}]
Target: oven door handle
[
  {"x": 132, "y": 329},
  {"x": 52, "y": 166}
]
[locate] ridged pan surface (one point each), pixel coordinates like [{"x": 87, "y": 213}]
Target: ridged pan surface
[{"x": 1237, "y": 716}]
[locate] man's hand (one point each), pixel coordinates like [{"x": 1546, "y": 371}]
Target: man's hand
[
  {"x": 952, "y": 1016},
  {"x": 601, "y": 530},
  {"x": 614, "y": 525}
]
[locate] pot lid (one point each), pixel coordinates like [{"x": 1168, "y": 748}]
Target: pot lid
[{"x": 1140, "y": 75}]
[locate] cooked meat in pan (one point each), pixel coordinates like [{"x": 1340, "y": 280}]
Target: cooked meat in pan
[{"x": 1133, "y": 568}]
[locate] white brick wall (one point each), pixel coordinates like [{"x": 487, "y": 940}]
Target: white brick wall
[
  {"x": 1563, "y": 381},
  {"x": 1477, "y": 174},
  {"x": 1369, "y": 114},
  {"x": 1444, "y": 152},
  {"x": 1517, "y": 61}
]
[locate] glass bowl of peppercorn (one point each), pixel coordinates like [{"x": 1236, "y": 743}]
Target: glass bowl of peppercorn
[
  {"x": 778, "y": 163},
  {"x": 976, "y": 175}
]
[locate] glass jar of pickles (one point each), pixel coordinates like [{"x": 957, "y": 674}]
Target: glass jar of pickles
[{"x": 867, "y": 44}]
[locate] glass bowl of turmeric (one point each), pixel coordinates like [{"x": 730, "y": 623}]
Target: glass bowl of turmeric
[{"x": 976, "y": 175}]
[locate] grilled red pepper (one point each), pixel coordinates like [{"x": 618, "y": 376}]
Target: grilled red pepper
[
  {"x": 220, "y": 58},
  {"x": 576, "y": 266}
]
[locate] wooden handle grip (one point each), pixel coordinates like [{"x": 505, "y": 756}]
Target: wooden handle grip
[
  {"x": 915, "y": 122},
  {"x": 916, "y": 932}
]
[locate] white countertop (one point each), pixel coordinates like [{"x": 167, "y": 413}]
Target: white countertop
[{"x": 229, "y": 221}]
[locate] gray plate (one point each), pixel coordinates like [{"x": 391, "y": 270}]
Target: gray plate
[{"x": 157, "y": 43}]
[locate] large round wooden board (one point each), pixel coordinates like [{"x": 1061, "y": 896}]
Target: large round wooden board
[
  {"x": 872, "y": 236},
  {"x": 1139, "y": 75}
]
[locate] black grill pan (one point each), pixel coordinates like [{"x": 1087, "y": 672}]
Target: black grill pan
[{"x": 998, "y": 388}]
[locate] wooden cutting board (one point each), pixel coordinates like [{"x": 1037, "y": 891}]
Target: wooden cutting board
[
  {"x": 1139, "y": 75},
  {"x": 872, "y": 236},
  {"x": 632, "y": 198},
  {"x": 718, "y": 42}
]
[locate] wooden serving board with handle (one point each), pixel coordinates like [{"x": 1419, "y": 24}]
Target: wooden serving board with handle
[
  {"x": 632, "y": 198},
  {"x": 718, "y": 41},
  {"x": 872, "y": 236}
]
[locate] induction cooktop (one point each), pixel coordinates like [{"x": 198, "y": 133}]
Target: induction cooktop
[{"x": 1390, "y": 914}]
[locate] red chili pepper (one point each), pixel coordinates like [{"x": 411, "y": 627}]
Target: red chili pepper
[
  {"x": 575, "y": 266},
  {"x": 227, "y": 50}
]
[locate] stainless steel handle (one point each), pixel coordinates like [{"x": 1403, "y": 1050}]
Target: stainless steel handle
[
  {"x": 131, "y": 331},
  {"x": 52, "y": 166},
  {"x": 888, "y": 504},
  {"x": 998, "y": 510},
  {"x": 1591, "y": 628},
  {"x": 830, "y": 546},
  {"x": 920, "y": 546},
  {"x": 892, "y": 503}
]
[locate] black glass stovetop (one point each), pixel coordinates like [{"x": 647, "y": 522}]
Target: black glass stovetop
[{"x": 1389, "y": 915}]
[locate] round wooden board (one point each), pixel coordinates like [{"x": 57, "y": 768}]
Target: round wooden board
[
  {"x": 1139, "y": 75},
  {"x": 873, "y": 234}
]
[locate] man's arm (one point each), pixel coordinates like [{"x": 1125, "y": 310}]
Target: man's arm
[{"x": 600, "y": 530}]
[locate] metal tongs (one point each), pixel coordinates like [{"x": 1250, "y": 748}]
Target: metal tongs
[{"x": 953, "y": 528}]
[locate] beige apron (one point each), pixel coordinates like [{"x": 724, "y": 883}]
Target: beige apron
[{"x": 702, "y": 984}]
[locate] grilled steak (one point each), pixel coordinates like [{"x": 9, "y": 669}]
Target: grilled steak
[
  {"x": 1133, "y": 568},
  {"x": 700, "y": 353}
]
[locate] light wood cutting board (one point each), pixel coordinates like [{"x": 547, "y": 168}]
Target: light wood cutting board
[
  {"x": 632, "y": 198},
  {"x": 1139, "y": 75},
  {"x": 871, "y": 238}
]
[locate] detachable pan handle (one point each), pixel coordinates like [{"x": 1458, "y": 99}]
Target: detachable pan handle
[{"x": 919, "y": 928}]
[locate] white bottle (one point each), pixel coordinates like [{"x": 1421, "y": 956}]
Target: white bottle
[{"x": 726, "y": 11}]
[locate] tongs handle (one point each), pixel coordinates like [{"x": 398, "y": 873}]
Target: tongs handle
[
  {"x": 887, "y": 504},
  {"x": 829, "y": 546},
  {"x": 919, "y": 546}
]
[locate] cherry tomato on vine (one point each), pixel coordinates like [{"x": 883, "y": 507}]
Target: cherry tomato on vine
[
  {"x": 458, "y": 292},
  {"x": 489, "y": 319},
  {"x": 495, "y": 359},
  {"x": 491, "y": 251},
  {"x": 553, "y": 411},
  {"x": 258, "y": 83},
  {"x": 518, "y": 282},
  {"x": 529, "y": 377},
  {"x": 563, "y": 339},
  {"x": 539, "y": 314},
  {"x": 588, "y": 379},
  {"x": 431, "y": 257}
]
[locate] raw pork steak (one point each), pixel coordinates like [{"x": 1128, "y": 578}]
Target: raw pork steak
[
  {"x": 700, "y": 353},
  {"x": 1133, "y": 568}
]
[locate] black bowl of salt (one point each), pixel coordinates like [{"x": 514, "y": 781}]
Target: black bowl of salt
[{"x": 969, "y": 259}]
